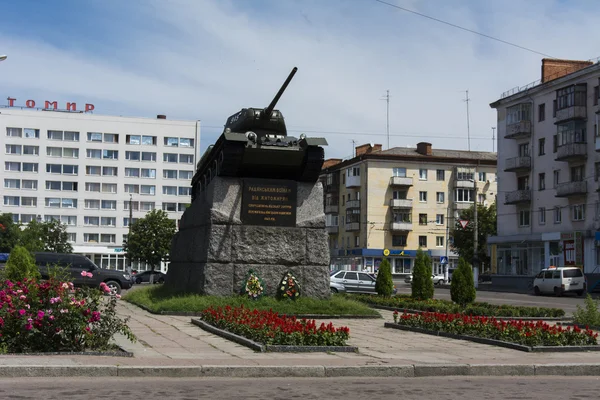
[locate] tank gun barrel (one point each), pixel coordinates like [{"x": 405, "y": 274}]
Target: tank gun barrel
[{"x": 266, "y": 114}]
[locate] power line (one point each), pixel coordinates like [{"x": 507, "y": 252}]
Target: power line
[{"x": 463, "y": 28}]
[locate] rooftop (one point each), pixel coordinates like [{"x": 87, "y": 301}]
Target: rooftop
[{"x": 454, "y": 154}]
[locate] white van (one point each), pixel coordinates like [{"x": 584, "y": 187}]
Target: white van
[{"x": 560, "y": 280}]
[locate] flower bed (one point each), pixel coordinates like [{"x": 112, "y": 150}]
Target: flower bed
[
  {"x": 270, "y": 328},
  {"x": 525, "y": 333},
  {"x": 448, "y": 307},
  {"x": 54, "y": 316}
]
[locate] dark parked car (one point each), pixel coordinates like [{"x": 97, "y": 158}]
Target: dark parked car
[
  {"x": 76, "y": 264},
  {"x": 140, "y": 277}
]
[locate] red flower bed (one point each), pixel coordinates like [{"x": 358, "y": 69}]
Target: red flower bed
[
  {"x": 528, "y": 333},
  {"x": 268, "y": 327}
]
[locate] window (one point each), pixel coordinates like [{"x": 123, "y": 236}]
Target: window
[
  {"x": 30, "y": 167},
  {"x": 440, "y": 175},
  {"x": 423, "y": 197},
  {"x": 524, "y": 150},
  {"x": 554, "y": 143},
  {"x": 53, "y": 202},
  {"x": 110, "y": 171},
  {"x": 69, "y": 186},
  {"x": 110, "y": 154},
  {"x": 481, "y": 198},
  {"x": 133, "y": 139},
  {"x": 148, "y": 189},
  {"x": 31, "y": 133},
  {"x": 578, "y": 212},
  {"x": 29, "y": 184},
  {"x": 29, "y": 201},
  {"x": 465, "y": 174},
  {"x": 356, "y": 244},
  {"x": 149, "y": 140},
  {"x": 524, "y": 218},
  {"x": 111, "y": 138},
  {"x": 170, "y": 190},
  {"x": 518, "y": 113},
  {"x": 135, "y": 205},
  {"x": 399, "y": 172},
  {"x": 170, "y": 174},
  {"x": 69, "y": 220},
  {"x": 439, "y": 241},
  {"x": 423, "y": 174},
  {"x": 126, "y": 221},
  {"x": 464, "y": 196},
  {"x": 71, "y": 136},
  {"x": 541, "y": 112},
  {"x": 185, "y": 142},
  {"x": 108, "y": 221},
  {"x": 53, "y": 185},
  {"x": 574, "y": 95},
  {"x": 92, "y": 204},
  {"x": 148, "y": 173},
  {"x": 523, "y": 183},
  {"x": 92, "y": 170},
  {"x": 542, "y": 216},
  {"x": 108, "y": 238},
  {"x": 70, "y": 152},
  {"x": 132, "y": 188},
  {"x": 422, "y": 219},
  {"x": 109, "y": 188},
  {"x": 12, "y": 183},
  {"x": 12, "y": 200},
  {"x": 439, "y": 219},
  {"x": 109, "y": 204},
  {"x": 482, "y": 177},
  {"x": 596, "y": 94},
  {"x": 399, "y": 240},
  {"x": 148, "y": 156},
  {"x": 13, "y": 149},
  {"x": 90, "y": 237},
  {"x": 171, "y": 141},
  {"x": 68, "y": 203},
  {"x": 542, "y": 181},
  {"x": 50, "y": 218},
  {"x": 27, "y": 218},
  {"x": 71, "y": 237},
  {"x": 422, "y": 241},
  {"x": 70, "y": 169},
  {"x": 541, "y": 146},
  {"x": 578, "y": 173},
  {"x": 556, "y": 178},
  {"x": 93, "y": 153},
  {"x": 169, "y": 207},
  {"x": 186, "y": 175},
  {"x": 54, "y": 168},
  {"x": 353, "y": 171},
  {"x": 184, "y": 191},
  {"x": 132, "y": 155},
  {"x": 186, "y": 159},
  {"x": 557, "y": 215},
  {"x": 31, "y": 150},
  {"x": 181, "y": 207},
  {"x": 571, "y": 132},
  {"x": 55, "y": 135},
  {"x": 94, "y": 137},
  {"x": 132, "y": 172},
  {"x": 147, "y": 205},
  {"x": 399, "y": 194}
]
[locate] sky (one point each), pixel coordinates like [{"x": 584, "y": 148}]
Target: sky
[{"x": 207, "y": 59}]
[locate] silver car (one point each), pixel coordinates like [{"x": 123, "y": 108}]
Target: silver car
[
  {"x": 337, "y": 287},
  {"x": 356, "y": 282}
]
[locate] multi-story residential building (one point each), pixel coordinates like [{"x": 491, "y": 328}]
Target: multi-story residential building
[
  {"x": 548, "y": 171},
  {"x": 86, "y": 170},
  {"x": 390, "y": 203}
]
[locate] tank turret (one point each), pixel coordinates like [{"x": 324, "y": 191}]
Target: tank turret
[{"x": 255, "y": 143}]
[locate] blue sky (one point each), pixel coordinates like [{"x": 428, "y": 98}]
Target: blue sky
[{"x": 206, "y": 59}]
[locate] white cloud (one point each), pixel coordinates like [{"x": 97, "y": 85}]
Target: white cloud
[{"x": 207, "y": 59}]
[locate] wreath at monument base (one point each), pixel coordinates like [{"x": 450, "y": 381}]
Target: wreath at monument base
[
  {"x": 254, "y": 287},
  {"x": 288, "y": 288}
]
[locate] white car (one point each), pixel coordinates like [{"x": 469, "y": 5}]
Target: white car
[
  {"x": 437, "y": 279},
  {"x": 559, "y": 281}
]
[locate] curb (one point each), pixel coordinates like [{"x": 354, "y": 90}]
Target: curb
[{"x": 309, "y": 371}]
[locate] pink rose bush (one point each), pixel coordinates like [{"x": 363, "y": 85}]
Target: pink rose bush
[{"x": 54, "y": 316}]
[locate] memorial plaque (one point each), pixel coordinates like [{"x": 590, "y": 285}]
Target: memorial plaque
[{"x": 269, "y": 202}]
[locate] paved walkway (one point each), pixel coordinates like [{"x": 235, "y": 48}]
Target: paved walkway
[{"x": 174, "y": 341}]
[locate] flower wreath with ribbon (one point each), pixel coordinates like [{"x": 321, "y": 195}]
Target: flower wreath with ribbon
[{"x": 288, "y": 287}]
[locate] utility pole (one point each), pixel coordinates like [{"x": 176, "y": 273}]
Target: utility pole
[
  {"x": 129, "y": 234},
  {"x": 447, "y": 237},
  {"x": 475, "y": 260},
  {"x": 387, "y": 116},
  {"x": 468, "y": 123},
  {"x": 353, "y": 148},
  {"x": 493, "y": 139}
]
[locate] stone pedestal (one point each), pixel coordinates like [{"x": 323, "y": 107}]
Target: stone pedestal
[{"x": 213, "y": 250}]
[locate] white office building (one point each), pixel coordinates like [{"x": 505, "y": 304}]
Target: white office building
[{"x": 83, "y": 169}]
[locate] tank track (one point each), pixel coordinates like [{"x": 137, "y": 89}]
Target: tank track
[{"x": 313, "y": 162}]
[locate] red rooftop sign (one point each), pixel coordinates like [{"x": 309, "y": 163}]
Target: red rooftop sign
[{"x": 51, "y": 105}]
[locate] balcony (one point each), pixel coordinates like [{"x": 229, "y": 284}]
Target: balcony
[
  {"x": 401, "y": 181},
  {"x": 401, "y": 226},
  {"x": 517, "y": 164},
  {"x": 353, "y": 204},
  {"x": 332, "y": 187},
  {"x": 401, "y": 203},
  {"x": 352, "y": 226},
  {"x": 518, "y": 130},
  {"x": 569, "y": 113},
  {"x": 332, "y": 230},
  {"x": 331, "y": 209},
  {"x": 518, "y": 197},
  {"x": 569, "y": 189},
  {"x": 571, "y": 152},
  {"x": 464, "y": 184},
  {"x": 462, "y": 205},
  {"x": 353, "y": 181}
]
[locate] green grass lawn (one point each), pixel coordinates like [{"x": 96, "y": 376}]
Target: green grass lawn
[{"x": 158, "y": 298}]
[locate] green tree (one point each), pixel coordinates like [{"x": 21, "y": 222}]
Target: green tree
[
  {"x": 462, "y": 242},
  {"x": 9, "y": 233},
  {"x": 150, "y": 238},
  {"x": 46, "y": 236},
  {"x": 384, "y": 285},
  {"x": 462, "y": 287},
  {"x": 21, "y": 265},
  {"x": 422, "y": 282}
]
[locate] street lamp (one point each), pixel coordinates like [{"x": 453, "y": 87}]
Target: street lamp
[{"x": 3, "y": 57}]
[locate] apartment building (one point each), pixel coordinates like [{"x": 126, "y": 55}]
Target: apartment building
[
  {"x": 86, "y": 170},
  {"x": 389, "y": 203},
  {"x": 548, "y": 170}
]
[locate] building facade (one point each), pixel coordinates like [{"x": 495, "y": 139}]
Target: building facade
[
  {"x": 548, "y": 171},
  {"x": 86, "y": 170},
  {"x": 389, "y": 203}
]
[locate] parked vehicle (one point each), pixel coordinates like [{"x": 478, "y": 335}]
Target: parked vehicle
[
  {"x": 559, "y": 281},
  {"x": 159, "y": 277},
  {"x": 76, "y": 264},
  {"x": 356, "y": 282},
  {"x": 337, "y": 287},
  {"x": 437, "y": 279}
]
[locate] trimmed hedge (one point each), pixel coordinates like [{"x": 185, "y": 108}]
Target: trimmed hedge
[{"x": 448, "y": 307}]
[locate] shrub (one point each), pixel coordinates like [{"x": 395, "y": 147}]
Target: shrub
[
  {"x": 21, "y": 265},
  {"x": 590, "y": 315},
  {"x": 462, "y": 287},
  {"x": 384, "y": 285},
  {"x": 422, "y": 282}
]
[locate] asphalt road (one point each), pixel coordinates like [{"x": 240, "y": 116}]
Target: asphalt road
[
  {"x": 568, "y": 302},
  {"x": 447, "y": 388}
]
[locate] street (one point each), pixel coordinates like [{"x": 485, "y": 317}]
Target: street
[
  {"x": 567, "y": 303},
  {"x": 447, "y": 388}
]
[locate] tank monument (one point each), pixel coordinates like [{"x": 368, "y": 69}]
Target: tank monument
[{"x": 257, "y": 206}]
